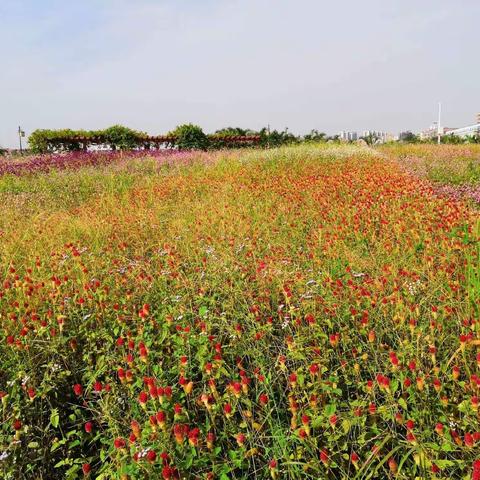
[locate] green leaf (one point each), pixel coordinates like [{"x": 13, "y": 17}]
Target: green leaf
[
  {"x": 403, "y": 403},
  {"x": 54, "y": 418}
]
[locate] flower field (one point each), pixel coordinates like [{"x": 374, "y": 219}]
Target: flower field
[{"x": 305, "y": 312}]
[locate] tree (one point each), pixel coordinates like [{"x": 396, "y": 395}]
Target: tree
[
  {"x": 409, "y": 137},
  {"x": 315, "y": 136},
  {"x": 122, "y": 138},
  {"x": 190, "y": 137}
]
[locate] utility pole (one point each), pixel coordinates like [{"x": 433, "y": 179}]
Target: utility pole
[
  {"x": 21, "y": 134},
  {"x": 438, "y": 123}
]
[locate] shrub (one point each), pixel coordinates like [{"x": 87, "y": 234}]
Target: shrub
[{"x": 190, "y": 137}]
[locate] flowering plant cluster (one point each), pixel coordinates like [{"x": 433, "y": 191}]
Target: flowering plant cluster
[
  {"x": 78, "y": 159},
  {"x": 298, "y": 313}
]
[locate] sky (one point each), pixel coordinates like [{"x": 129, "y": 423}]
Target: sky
[{"x": 302, "y": 64}]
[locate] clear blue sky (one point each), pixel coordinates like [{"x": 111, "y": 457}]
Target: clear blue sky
[{"x": 330, "y": 65}]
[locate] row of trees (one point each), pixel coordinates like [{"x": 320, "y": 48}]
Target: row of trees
[{"x": 184, "y": 137}]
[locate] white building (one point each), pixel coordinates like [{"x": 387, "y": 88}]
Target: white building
[
  {"x": 469, "y": 131},
  {"x": 348, "y": 136}
]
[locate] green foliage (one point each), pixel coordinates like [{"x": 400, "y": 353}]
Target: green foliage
[
  {"x": 117, "y": 136},
  {"x": 409, "y": 137},
  {"x": 315, "y": 136},
  {"x": 122, "y": 138},
  {"x": 190, "y": 137}
]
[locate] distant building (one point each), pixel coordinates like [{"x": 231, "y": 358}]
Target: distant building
[
  {"x": 381, "y": 137},
  {"x": 468, "y": 131},
  {"x": 348, "y": 136},
  {"x": 432, "y": 132}
]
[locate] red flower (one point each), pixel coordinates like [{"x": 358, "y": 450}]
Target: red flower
[
  {"x": 77, "y": 389},
  {"x": 476, "y": 470},
  {"x": 324, "y": 456},
  {"x": 89, "y": 427},
  {"x": 17, "y": 424},
  {"x": 333, "y": 420},
  {"x": 86, "y": 468},
  {"x": 151, "y": 456},
  {"x": 143, "y": 398},
  {"x": 227, "y": 409},
  {"x": 240, "y": 437},
  {"x": 119, "y": 443},
  {"x": 410, "y": 424}
]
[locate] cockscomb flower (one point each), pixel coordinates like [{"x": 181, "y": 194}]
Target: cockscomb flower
[
  {"x": 333, "y": 420},
  {"x": 151, "y": 456},
  {"x": 410, "y": 424},
  {"x": 86, "y": 469},
  {"x": 469, "y": 440},
  {"x": 394, "y": 360},
  {"x": 143, "y": 398},
  {"x": 475, "y": 402},
  {"x": 334, "y": 339},
  {"x": 227, "y": 410},
  {"x": 420, "y": 383},
  {"x": 455, "y": 372},
  {"x": 78, "y": 389},
  {"x": 210, "y": 440},
  {"x": 179, "y": 432},
  {"x": 119, "y": 443},
  {"x": 135, "y": 426},
  {"x": 236, "y": 389},
  {"x": 392, "y": 465},
  {"x": 193, "y": 436},
  {"x": 324, "y": 458},
  {"x": 292, "y": 378},
  {"x": 476, "y": 470},
  {"x": 161, "y": 418},
  {"x": 263, "y": 399},
  {"x": 354, "y": 458},
  {"x": 177, "y": 409},
  {"x": 31, "y": 393},
  {"x": 88, "y": 427},
  {"x": 439, "y": 429},
  {"x": 240, "y": 438},
  {"x": 437, "y": 385}
]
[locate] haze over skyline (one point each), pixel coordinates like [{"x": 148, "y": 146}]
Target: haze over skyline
[{"x": 301, "y": 64}]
